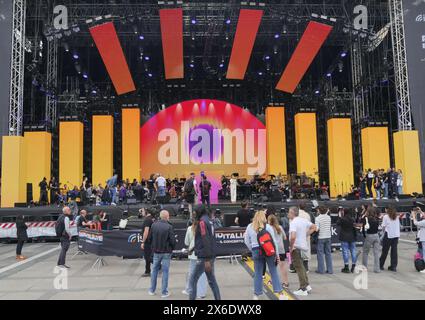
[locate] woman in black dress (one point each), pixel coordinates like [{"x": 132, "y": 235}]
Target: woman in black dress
[{"x": 21, "y": 232}]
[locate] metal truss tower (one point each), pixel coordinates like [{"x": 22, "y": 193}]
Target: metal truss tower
[
  {"x": 16, "y": 110},
  {"x": 357, "y": 78},
  {"x": 400, "y": 65},
  {"x": 52, "y": 82}
]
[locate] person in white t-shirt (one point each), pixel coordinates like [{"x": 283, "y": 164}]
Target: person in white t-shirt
[
  {"x": 391, "y": 228},
  {"x": 160, "y": 184},
  {"x": 299, "y": 230}
]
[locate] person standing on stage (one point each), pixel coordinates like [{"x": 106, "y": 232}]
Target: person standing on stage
[
  {"x": 22, "y": 235},
  {"x": 43, "y": 192},
  {"x": 54, "y": 189},
  {"x": 369, "y": 182},
  {"x": 160, "y": 185},
  {"x": 163, "y": 243},
  {"x": 233, "y": 189},
  {"x": 112, "y": 185},
  {"x": 243, "y": 217},
  {"x": 63, "y": 231},
  {"x": 148, "y": 220},
  {"x": 190, "y": 192},
  {"x": 205, "y": 189},
  {"x": 205, "y": 250}
]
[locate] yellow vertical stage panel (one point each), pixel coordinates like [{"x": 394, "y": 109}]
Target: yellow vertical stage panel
[
  {"x": 38, "y": 151},
  {"x": 340, "y": 154},
  {"x": 103, "y": 149},
  {"x": 408, "y": 159},
  {"x": 276, "y": 141},
  {"x": 71, "y": 148},
  {"x": 131, "y": 144},
  {"x": 306, "y": 144},
  {"x": 13, "y": 175},
  {"x": 375, "y": 148}
]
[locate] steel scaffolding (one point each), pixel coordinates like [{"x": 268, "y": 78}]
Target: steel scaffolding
[
  {"x": 17, "y": 68},
  {"x": 52, "y": 82},
  {"x": 400, "y": 65}
]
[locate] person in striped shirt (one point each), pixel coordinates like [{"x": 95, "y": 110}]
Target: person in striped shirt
[{"x": 324, "y": 247}]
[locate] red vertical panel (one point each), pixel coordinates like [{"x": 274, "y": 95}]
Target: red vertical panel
[
  {"x": 107, "y": 42},
  {"x": 312, "y": 40},
  {"x": 246, "y": 33},
  {"x": 172, "y": 42}
]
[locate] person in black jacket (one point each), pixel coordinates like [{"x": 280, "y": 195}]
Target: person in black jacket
[
  {"x": 370, "y": 227},
  {"x": 21, "y": 232},
  {"x": 347, "y": 236},
  {"x": 205, "y": 251},
  {"x": 163, "y": 242}
]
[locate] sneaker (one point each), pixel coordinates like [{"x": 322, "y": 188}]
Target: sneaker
[
  {"x": 283, "y": 297},
  {"x": 164, "y": 296},
  {"x": 61, "y": 267},
  {"x": 66, "y": 266},
  {"x": 151, "y": 293},
  {"x": 292, "y": 271},
  {"x": 423, "y": 271},
  {"x": 309, "y": 289},
  {"x": 146, "y": 275},
  {"x": 201, "y": 298},
  {"x": 255, "y": 297},
  {"x": 301, "y": 293},
  {"x": 185, "y": 292}
]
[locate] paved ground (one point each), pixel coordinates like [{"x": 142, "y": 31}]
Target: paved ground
[{"x": 120, "y": 279}]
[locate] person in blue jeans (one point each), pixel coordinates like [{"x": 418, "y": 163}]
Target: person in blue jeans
[
  {"x": 205, "y": 251},
  {"x": 348, "y": 237},
  {"x": 324, "y": 248},
  {"x": 260, "y": 223},
  {"x": 418, "y": 218},
  {"x": 163, "y": 242}
]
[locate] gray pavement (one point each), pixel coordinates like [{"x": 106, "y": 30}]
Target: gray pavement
[{"x": 120, "y": 279}]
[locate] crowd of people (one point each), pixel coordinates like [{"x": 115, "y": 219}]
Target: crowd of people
[
  {"x": 384, "y": 184},
  {"x": 280, "y": 244}
]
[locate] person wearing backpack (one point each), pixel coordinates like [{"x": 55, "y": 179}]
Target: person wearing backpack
[
  {"x": 260, "y": 239},
  {"x": 63, "y": 232},
  {"x": 205, "y": 189},
  {"x": 190, "y": 192}
]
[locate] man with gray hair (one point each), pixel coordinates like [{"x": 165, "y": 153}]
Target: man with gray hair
[
  {"x": 299, "y": 231},
  {"x": 163, "y": 242},
  {"x": 63, "y": 232}
]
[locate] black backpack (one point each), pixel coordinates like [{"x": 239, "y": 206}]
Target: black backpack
[
  {"x": 189, "y": 188},
  {"x": 60, "y": 226}
]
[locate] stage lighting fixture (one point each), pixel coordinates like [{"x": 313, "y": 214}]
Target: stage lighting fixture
[
  {"x": 147, "y": 58},
  {"x": 340, "y": 66},
  {"x": 193, "y": 21},
  {"x": 150, "y": 75},
  {"x": 275, "y": 50},
  {"x": 75, "y": 56},
  {"x": 317, "y": 92},
  {"x": 141, "y": 37},
  {"x": 343, "y": 54},
  {"x": 267, "y": 57},
  {"x": 221, "y": 65},
  {"x": 85, "y": 75},
  {"x": 227, "y": 36},
  {"x": 76, "y": 28},
  {"x": 228, "y": 21},
  {"x": 329, "y": 74},
  {"x": 135, "y": 30},
  {"x": 276, "y": 36},
  {"x": 77, "y": 67},
  {"x": 192, "y": 65},
  {"x": 260, "y": 73}
]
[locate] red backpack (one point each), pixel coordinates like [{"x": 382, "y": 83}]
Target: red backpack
[{"x": 265, "y": 240}]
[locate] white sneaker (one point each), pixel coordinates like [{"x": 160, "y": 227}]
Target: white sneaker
[
  {"x": 423, "y": 271},
  {"x": 164, "y": 296},
  {"x": 309, "y": 289},
  {"x": 301, "y": 293},
  {"x": 283, "y": 297},
  {"x": 185, "y": 292},
  {"x": 151, "y": 293},
  {"x": 255, "y": 297}
]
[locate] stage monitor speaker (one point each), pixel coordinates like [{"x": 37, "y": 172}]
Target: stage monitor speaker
[
  {"x": 229, "y": 220},
  {"x": 131, "y": 201},
  {"x": 29, "y": 193},
  {"x": 404, "y": 196},
  {"x": 352, "y": 197},
  {"x": 324, "y": 197}
]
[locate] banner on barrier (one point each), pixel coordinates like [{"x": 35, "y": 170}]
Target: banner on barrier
[{"x": 35, "y": 230}]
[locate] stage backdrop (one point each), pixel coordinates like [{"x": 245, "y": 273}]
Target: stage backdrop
[{"x": 209, "y": 136}]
